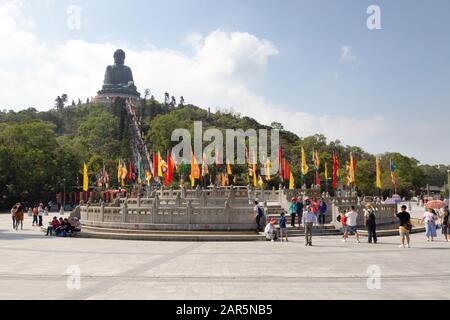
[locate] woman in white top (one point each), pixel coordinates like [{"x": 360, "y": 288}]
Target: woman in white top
[{"x": 429, "y": 219}]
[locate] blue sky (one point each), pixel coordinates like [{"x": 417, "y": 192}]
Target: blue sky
[{"x": 399, "y": 75}]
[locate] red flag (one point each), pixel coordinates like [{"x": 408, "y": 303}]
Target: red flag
[
  {"x": 170, "y": 167},
  {"x": 281, "y": 163},
  {"x": 318, "y": 182},
  {"x": 286, "y": 170},
  {"x": 130, "y": 172},
  {"x": 155, "y": 164},
  {"x": 335, "y": 170}
]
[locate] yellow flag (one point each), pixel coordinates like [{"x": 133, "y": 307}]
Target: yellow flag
[
  {"x": 119, "y": 171},
  {"x": 317, "y": 160},
  {"x": 268, "y": 170},
  {"x": 260, "y": 182},
  {"x": 229, "y": 172},
  {"x": 291, "y": 182},
  {"x": 195, "y": 170},
  {"x": 304, "y": 164},
  {"x": 148, "y": 177},
  {"x": 378, "y": 174},
  {"x": 85, "y": 178},
  {"x": 255, "y": 182},
  {"x": 160, "y": 163},
  {"x": 352, "y": 169},
  {"x": 326, "y": 171}
]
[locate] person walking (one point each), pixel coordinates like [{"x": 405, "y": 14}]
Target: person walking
[
  {"x": 352, "y": 222},
  {"x": 343, "y": 220},
  {"x": 371, "y": 224},
  {"x": 293, "y": 210},
  {"x": 309, "y": 220},
  {"x": 19, "y": 217},
  {"x": 322, "y": 211},
  {"x": 40, "y": 213},
  {"x": 405, "y": 226},
  {"x": 429, "y": 218},
  {"x": 283, "y": 229},
  {"x": 445, "y": 224},
  {"x": 35, "y": 214},
  {"x": 13, "y": 215},
  {"x": 258, "y": 215}
]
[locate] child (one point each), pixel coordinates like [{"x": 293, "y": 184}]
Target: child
[
  {"x": 283, "y": 230},
  {"x": 53, "y": 225}
]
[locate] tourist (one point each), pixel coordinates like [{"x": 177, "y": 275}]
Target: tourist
[
  {"x": 53, "y": 225},
  {"x": 352, "y": 222},
  {"x": 405, "y": 226},
  {"x": 258, "y": 215},
  {"x": 342, "y": 218},
  {"x": 371, "y": 224},
  {"x": 293, "y": 210},
  {"x": 270, "y": 232},
  {"x": 445, "y": 224},
  {"x": 40, "y": 213},
  {"x": 35, "y": 213},
  {"x": 300, "y": 207},
  {"x": 322, "y": 211},
  {"x": 429, "y": 218},
  {"x": 61, "y": 227},
  {"x": 309, "y": 219},
  {"x": 75, "y": 224},
  {"x": 46, "y": 211},
  {"x": 283, "y": 229},
  {"x": 13, "y": 215},
  {"x": 19, "y": 217}
]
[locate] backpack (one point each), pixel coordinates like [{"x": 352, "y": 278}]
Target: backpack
[{"x": 260, "y": 212}]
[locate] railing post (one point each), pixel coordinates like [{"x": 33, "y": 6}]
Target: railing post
[
  {"x": 124, "y": 212},
  {"x": 102, "y": 212}
]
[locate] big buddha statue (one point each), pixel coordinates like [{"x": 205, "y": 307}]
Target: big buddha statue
[{"x": 118, "y": 80}]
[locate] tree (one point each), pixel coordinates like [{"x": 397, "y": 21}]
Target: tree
[{"x": 277, "y": 126}]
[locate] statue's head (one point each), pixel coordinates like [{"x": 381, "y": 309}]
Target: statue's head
[{"x": 119, "y": 57}]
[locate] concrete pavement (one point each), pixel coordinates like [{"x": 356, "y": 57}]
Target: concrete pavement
[{"x": 36, "y": 267}]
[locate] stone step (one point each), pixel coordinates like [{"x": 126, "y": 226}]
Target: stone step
[{"x": 119, "y": 234}]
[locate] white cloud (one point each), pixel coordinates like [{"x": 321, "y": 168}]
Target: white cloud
[
  {"x": 347, "y": 55},
  {"x": 218, "y": 73}
]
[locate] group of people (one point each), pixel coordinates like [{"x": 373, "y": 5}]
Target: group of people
[
  {"x": 57, "y": 227},
  {"x": 63, "y": 227},
  {"x": 312, "y": 213}
]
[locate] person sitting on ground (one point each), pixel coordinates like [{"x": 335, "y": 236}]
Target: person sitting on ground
[
  {"x": 61, "y": 227},
  {"x": 75, "y": 224},
  {"x": 270, "y": 232},
  {"x": 53, "y": 225}
]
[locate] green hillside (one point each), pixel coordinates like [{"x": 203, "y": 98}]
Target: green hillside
[{"x": 42, "y": 151}]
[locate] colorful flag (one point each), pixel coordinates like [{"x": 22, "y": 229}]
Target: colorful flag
[
  {"x": 352, "y": 169},
  {"x": 335, "y": 170},
  {"x": 260, "y": 182},
  {"x": 255, "y": 183},
  {"x": 155, "y": 165},
  {"x": 326, "y": 172},
  {"x": 281, "y": 164},
  {"x": 393, "y": 168},
  {"x": 119, "y": 171},
  {"x": 378, "y": 174},
  {"x": 316, "y": 160},
  {"x": 195, "y": 170},
  {"x": 160, "y": 165},
  {"x": 130, "y": 172},
  {"x": 229, "y": 172},
  {"x": 268, "y": 167},
  {"x": 85, "y": 178},
  {"x": 304, "y": 164}
]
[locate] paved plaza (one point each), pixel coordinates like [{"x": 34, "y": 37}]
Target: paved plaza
[{"x": 35, "y": 267}]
